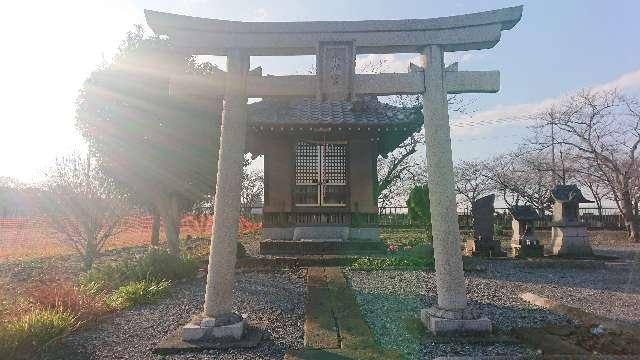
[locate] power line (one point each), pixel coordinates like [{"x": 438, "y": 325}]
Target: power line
[
  {"x": 488, "y": 138},
  {"x": 491, "y": 121}
]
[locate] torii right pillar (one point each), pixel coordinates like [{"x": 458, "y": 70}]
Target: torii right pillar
[{"x": 451, "y": 314}]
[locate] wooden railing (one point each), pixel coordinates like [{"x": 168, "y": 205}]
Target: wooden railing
[{"x": 286, "y": 219}]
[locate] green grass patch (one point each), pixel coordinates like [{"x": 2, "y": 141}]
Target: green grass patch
[
  {"x": 136, "y": 293},
  {"x": 372, "y": 264},
  {"x": 414, "y": 327},
  {"x": 156, "y": 264},
  {"x": 405, "y": 237},
  {"x": 31, "y": 333},
  {"x": 410, "y": 258}
]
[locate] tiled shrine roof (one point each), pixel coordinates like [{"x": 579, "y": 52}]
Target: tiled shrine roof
[
  {"x": 568, "y": 193},
  {"x": 311, "y": 112},
  {"x": 524, "y": 212}
]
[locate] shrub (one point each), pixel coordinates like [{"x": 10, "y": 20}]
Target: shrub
[
  {"x": 200, "y": 251},
  {"x": 86, "y": 304},
  {"x": 419, "y": 206},
  {"x": 33, "y": 332},
  {"x": 135, "y": 293},
  {"x": 156, "y": 264},
  {"x": 107, "y": 276},
  {"x": 247, "y": 227}
]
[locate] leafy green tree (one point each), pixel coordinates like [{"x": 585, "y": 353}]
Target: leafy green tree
[
  {"x": 158, "y": 144},
  {"x": 419, "y": 206}
]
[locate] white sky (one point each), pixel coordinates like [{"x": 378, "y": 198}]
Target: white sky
[{"x": 50, "y": 47}]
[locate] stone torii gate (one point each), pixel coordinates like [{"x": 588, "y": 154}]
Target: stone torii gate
[{"x": 335, "y": 44}]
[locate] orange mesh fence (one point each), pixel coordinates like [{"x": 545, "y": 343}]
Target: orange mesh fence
[{"x": 25, "y": 237}]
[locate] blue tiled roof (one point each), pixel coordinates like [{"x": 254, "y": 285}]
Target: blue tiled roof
[{"x": 309, "y": 111}]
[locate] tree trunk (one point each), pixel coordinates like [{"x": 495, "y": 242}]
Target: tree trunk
[
  {"x": 155, "y": 228},
  {"x": 168, "y": 209},
  {"x": 90, "y": 252},
  {"x": 629, "y": 217}
]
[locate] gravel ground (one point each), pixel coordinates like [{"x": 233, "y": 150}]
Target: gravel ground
[
  {"x": 389, "y": 298},
  {"x": 273, "y": 301}
]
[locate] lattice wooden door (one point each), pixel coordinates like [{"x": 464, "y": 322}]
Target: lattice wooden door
[{"x": 321, "y": 174}]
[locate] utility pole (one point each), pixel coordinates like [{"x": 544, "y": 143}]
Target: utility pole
[{"x": 553, "y": 153}]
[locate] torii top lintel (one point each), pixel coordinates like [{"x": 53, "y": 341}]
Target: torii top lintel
[{"x": 215, "y": 37}]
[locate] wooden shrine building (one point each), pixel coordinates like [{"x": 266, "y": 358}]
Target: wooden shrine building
[{"x": 320, "y": 165}]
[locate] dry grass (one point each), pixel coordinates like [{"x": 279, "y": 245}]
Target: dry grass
[{"x": 24, "y": 238}]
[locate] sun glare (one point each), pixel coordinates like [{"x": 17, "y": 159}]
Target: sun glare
[{"x": 53, "y": 46}]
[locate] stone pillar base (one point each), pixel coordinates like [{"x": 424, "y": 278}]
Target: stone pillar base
[
  {"x": 569, "y": 241},
  {"x": 203, "y": 328},
  {"x": 447, "y": 322}
]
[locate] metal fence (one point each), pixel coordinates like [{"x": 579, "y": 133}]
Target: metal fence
[{"x": 610, "y": 218}]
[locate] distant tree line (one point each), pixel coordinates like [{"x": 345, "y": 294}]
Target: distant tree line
[{"x": 590, "y": 139}]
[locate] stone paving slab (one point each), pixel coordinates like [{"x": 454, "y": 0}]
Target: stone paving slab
[
  {"x": 546, "y": 357},
  {"x": 320, "y": 330},
  {"x": 577, "y": 314},
  {"x": 174, "y": 344},
  {"x": 333, "y": 327},
  {"x": 342, "y": 354}
]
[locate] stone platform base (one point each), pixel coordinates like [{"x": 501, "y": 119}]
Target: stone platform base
[
  {"x": 443, "y": 322},
  {"x": 344, "y": 233},
  {"x": 320, "y": 232},
  {"x": 174, "y": 344},
  {"x": 206, "y": 328},
  {"x": 569, "y": 241},
  {"x": 320, "y": 247}
]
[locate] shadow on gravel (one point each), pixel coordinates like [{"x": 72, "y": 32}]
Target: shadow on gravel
[
  {"x": 621, "y": 277},
  {"x": 395, "y": 324}
]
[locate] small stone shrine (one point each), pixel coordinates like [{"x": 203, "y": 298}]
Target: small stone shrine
[
  {"x": 524, "y": 240},
  {"x": 568, "y": 234},
  {"x": 484, "y": 220}
]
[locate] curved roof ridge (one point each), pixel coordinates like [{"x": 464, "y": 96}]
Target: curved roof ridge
[{"x": 160, "y": 21}]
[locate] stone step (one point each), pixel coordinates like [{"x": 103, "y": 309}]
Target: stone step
[
  {"x": 321, "y": 247},
  {"x": 281, "y": 262}
]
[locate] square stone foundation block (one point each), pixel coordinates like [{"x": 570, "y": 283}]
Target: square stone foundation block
[
  {"x": 205, "y": 331},
  {"x": 442, "y": 326},
  {"x": 174, "y": 344},
  {"x": 569, "y": 241},
  {"x": 277, "y": 233},
  {"x": 321, "y": 232},
  {"x": 372, "y": 234}
]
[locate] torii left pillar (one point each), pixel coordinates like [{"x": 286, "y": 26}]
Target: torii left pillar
[{"x": 218, "y": 319}]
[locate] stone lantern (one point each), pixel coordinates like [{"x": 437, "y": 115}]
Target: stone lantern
[
  {"x": 568, "y": 234},
  {"x": 524, "y": 238}
]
